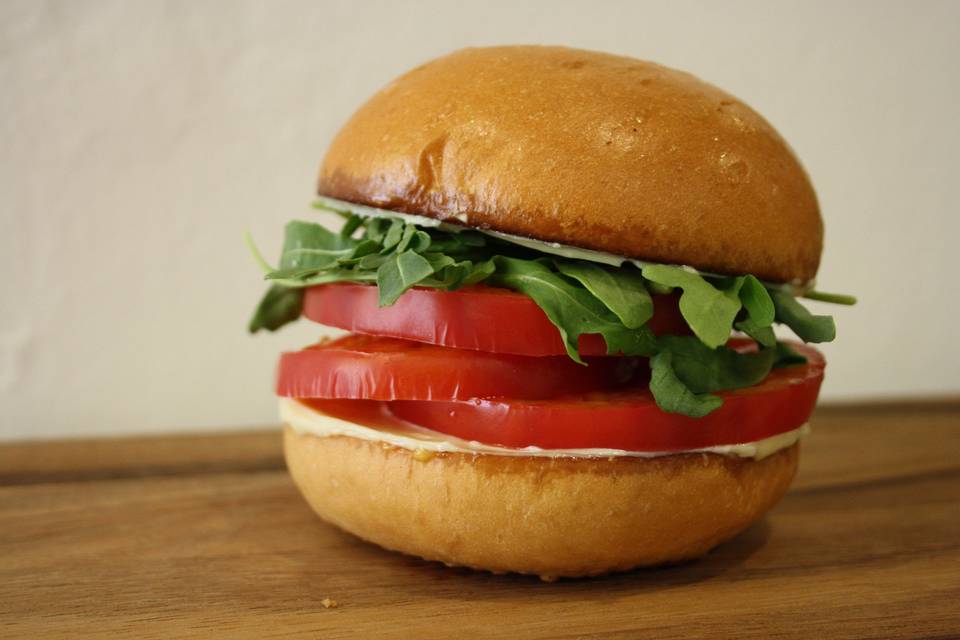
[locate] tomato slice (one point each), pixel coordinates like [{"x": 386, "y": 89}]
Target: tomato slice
[
  {"x": 478, "y": 318},
  {"x": 376, "y": 368},
  {"x": 629, "y": 419}
]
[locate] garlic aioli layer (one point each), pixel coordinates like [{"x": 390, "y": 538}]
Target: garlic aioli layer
[{"x": 304, "y": 419}]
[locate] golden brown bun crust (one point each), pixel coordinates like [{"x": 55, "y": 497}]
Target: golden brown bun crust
[
  {"x": 588, "y": 149},
  {"x": 551, "y": 517}
]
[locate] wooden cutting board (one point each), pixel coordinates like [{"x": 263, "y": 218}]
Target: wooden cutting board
[{"x": 199, "y": 536}]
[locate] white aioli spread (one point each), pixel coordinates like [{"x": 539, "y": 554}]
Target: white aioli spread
[{"x": 304, "y": 419}]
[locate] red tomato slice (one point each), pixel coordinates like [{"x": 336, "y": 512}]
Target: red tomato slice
[
  {"x": 628, "y": 420},
  {"x": 375, "y": 368},
  {"x": 478, "y": 318}
]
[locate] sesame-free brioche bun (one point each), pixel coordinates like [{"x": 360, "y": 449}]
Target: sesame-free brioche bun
[
  {"x": 552, "y": 517},
  {"x": 587, "y": 149}
]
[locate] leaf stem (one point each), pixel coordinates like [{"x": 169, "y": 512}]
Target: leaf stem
[
  {"x": 835, "y": 298},
  {"x": 261, "y": 261}
]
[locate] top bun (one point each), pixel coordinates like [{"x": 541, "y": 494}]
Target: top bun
[{"x": 587, "y": 149}]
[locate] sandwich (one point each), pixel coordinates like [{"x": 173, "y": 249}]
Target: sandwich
[{"x": 559, "y": 274}]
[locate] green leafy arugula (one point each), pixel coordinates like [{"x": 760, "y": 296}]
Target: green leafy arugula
[
  {"x": 759, "y": 312},
  {"x": 573, "y": 309},
  {"x": 672, "y": 394},
  {"x": 709, "y": 311},
  {"x": 578, "y": 296},
  {"x": 621, "y": 290},
  {"x": 279, "y": 306},
  {"x": 808, "y": 327}
]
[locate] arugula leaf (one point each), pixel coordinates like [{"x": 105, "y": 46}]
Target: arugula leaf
[
  {"x": 399, "y": 273},
  {"x": 449, "y": 277},
  {"x": 709, "y": 311},
  {"x": 394, "y": 235},
  {"x": 480, "y": 272},
  {"x": 459, "y": 274},
  {"x": 352, "y": 223},
  {"x": 620, "y": 290},
  {"x": 757, "y": 302},
  {"x": 759, "y": 312},
  {"x": 377, "y": 228},
  {"x": 310, "y": 245},
  {"x": 363, "y": 249},
  {"x": 414, "y": 239},
  {"x": 659, "y": 289},
  {"x": 372, "y": 261},
  {"x": 704, "y": 369},
  {"x": 279, "y": 306},
  {"x": 808, "y": 327},
  {"x": 788, "y": 357},
  {"x": 455, "y": 243},
  {"x": 438, "y": 261},
  {"x": 672, "y": 395},
  {"x": 763, "y": 335},
  {"x": 328, "y": 276},
  {"x": 572, "y": 309}
]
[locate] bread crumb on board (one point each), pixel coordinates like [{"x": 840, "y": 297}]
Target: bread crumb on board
[{"x": 329, "y": 603}]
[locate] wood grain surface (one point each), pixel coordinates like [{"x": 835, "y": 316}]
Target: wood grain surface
[{"x": 200, "y": 536}]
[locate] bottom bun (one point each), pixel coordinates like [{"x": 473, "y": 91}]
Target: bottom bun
[{"x": 552, "y": 517}]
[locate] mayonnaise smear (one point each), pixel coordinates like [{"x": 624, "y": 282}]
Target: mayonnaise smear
[{"x": 304, "y": 419}]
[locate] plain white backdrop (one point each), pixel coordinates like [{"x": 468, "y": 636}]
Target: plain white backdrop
[{"x": 139, "y": 140}]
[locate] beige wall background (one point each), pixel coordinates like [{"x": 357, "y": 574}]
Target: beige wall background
[{"x": 140, "y": 139}]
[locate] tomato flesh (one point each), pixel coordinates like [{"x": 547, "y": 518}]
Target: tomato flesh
[
  {"x": 628, "y": 419},
  {"x": 477, "y": 318},
  {"x": 363, "y": 367}
]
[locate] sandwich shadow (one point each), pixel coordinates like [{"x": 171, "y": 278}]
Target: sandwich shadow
[{"x": 460, "y": 583}]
